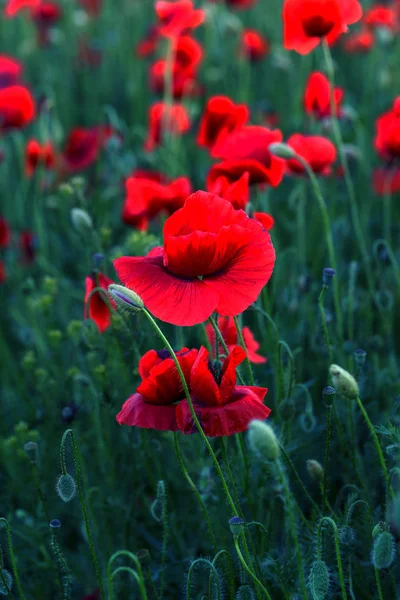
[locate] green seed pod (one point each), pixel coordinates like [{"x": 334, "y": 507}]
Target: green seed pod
[
  {"x": 281, "y": 150},
  {"x": 263, "y": 440},
  {"x": 126, "y": 300},
  {"x": 66, "y": 487},
  {"x": 236, "y": 524},
  {"x": 7, "y": 583},
  {"x": 383, "y": 551},
  {"x": 319, "y": 580},
  {"x": 345, "y": 383},
  {"x": 245, "y": 592}
]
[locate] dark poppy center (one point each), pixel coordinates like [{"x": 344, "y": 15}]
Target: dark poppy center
[
  {"x": 163, "y": 354},
  {"x": 215, "y": 367},
  {"x": 317, "y": 26}
]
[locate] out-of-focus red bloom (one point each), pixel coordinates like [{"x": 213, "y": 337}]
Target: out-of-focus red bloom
[
  {"x": 5, "y": 233},
  {"x": 174, "y": 118},
  {"x": 318, "y": 151},
  {"x": 227, "y": 327},
  {"x": 387, "y": 139},
  {"x": 381, "y": 16},
  {"x": 3, "y": 274},
  {"x": 360, "y": 41},
  {"x": 386, "y": 181},
  {"x": 237, "y": 192},
  {"x": 188, "y": 54},
  {"x": 317, "y": 96},
  {"x": 148, "y": 45},
  {"x": 222, "y": 407},
  {"x": 10, "y": 71},
  {"x": 154, "y": 404},
  {"x": 93, "y": 596},
  {"x": 254, "y": 45},
  {"x": 14, "y": 6},
  {"x": 266, "y": 220},
  {"x": 307, "y": 22},
  {"x": 46, "y": 14},
  {"x": 17, "y": 107},
  {"x": 97, "y": 304},
  {"x": 247, "y": 147},
  {"x": 83, "y": 146},
  {"x": 214, "y": 258},
  {"x": 28, "y": 245},
  {"x": 146, "y": 198},
  {"x": 92, "y": 7},
  {"x": 88, "y": 55},
  {"x": 221, "y": 117},
  {"x": 177, "y": 17},
  {"x": 36, "y": 154}
]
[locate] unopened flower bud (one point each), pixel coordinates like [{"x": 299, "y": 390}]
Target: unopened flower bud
[
  {"x": 378, "y": 529},
  {"x": 360, "y": 356},
  {"x": 281, "y": 150},
  {"x": 263, "y": 441},
  {"x": 236, "y": 524},
  {"x": 315, "y": 470},
  {"x": 345, "y": 383},
  {"x": 127, "y": 301},
  {"x": 81, "y": 220}
]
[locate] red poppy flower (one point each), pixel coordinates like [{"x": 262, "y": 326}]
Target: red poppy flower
[
  {"x": 28, "y": 245},
  {"x": 318, "y": 151},
  {"x": 46, "y": 14},
  {"x": 147, "y": 198},
  {"x": 82, "y": 147},
  {"x": 92, "y": 7},
  {"x": 387, "y": 139},
  {"x": 229, "y": 332},
  {"x": 93, "y": 596},
  {"x": 3, "y": 274},
  {"x": 386, "y": 181},
  {"x": 221, "y": 116},
  {"x": 36, "y": 155},
  {"x": 307, "y": 22},
  {"x": 249, "y": 145},
  {"x": 174, "y": 117},
  {"x": 237, "y": 192},
  {"x": 177, "y": 17},
  {"x": 88, "y": 55},
  {"x": 317, "y": 96},
  {"x": 254, "y": 45},
  {"x": 148, "y": 45},
  {"x": 14, "y": 6},
  {"x": 360, "y": 41},
  {"x": 381, "y": 16},
  {"x": 10, "y": 71},
  {"x": 266, "y": 220},
  {"x": 5, "y": 233},
  {"x": 97, "y": 307},
  {"x": 149, "y": 174},
  {"x": 17, "y": 107},
  {"x": 222, "y": 407},
  {"x": 153, "y": 406},
  {"x": 214, "y": 258}
]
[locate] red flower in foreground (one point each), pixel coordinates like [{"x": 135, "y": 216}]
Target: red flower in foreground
[
  {"x": 154, "y": 404},
  {"x": 214, "y": 258},
  {"x": 17, "y": 107},
  {"x": 381, "y": 16},
  {"x": 254, "y": 45},
  {"x": 222, "y": 407},
  {"x": 36, "y": 155},
  {"x": 386, "y": 181},
  {"x": 307, "y": 22},
  {"x": 360, "y": 41},
  {"x": 5, "y": 233},
  {"x": 177, "y": 17},
  {"x": 147, "y": 198},
  {"x": 317, "y": 96},
  {"x": 10, "y": 71},
  {"x": 237, "y": 192},
  {"x": 229, "y": 332},
  {"x": 97, "y": 303},
  {"x": 221, "y": 117},
  {"x": 318, "y": 151},
  {"x": 266, "y": 220},
  {"x": 174, "y": 118},
  {"x": 14, "y": 6},
  {"x": 387, "y": 139}
]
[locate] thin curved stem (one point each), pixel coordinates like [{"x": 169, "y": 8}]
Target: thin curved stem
[
  {"x": 337, "y": 550},
  {"x": 12, "y": 557},
  {"x": 249, "y": 571},
  {"x": 326, "y": 461}
]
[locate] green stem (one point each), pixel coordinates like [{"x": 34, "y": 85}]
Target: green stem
[
  {"x": 326, "y": 461},
  {"x": 298, "y": 479},
  {"x": 337, "y": 550},
  {"x": 138, "y": 575},
  {"x": 241, "y": 339},
  {"x": 324, "y": 323},
  {"x": 248, "y": 570},
  {"x": 12, "y": 557}
]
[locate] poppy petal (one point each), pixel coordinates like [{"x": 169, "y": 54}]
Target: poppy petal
[{"x": 135, "y": 412}]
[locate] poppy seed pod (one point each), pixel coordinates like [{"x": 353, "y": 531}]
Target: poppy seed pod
[
  {"x": 263, "y": 440},
  {"x": 126, "y": 300},
  {"x": 281, "y": 150},
  {"x": 315, "y": 470},
  {"x": 345, "y": 383},
  {"x": 236, "y": 524}
]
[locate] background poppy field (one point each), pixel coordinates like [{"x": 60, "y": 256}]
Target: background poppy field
[{"x": 231, "y": 168}]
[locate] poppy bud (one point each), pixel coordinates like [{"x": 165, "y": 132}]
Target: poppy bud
[
  {"x": 345, "y": 383},
  {"x": 378, "y": 529},
  {"x": 236, "y": 524},
  {"x": 384, "y": 550},
  {"x": 319, "y": 580},
  {"x": 281, "y": 150},
  {"x": 315, "y": 470},
  {"x": 81, "y": 220},
  {"x": 66, "y": 487},
  {"x": 6, "y": 582},
  {"x": 31, "y": 448},
  {"x": 126, "y": 300},
  {"x": 263, "y": 441}
]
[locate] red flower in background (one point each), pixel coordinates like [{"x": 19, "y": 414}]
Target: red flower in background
[
  {"x": 175, "y": 118},
  {"x": 148, "y": 45},
  {"x": 381, "y": 16},
  {"x": 307, "y": 22},
  {"x": 3, "y": 274},
  {"x": 254, "y": 45},
  {"x": 214, "y": 258},
  {"x": 36, "y": 154},
  {"x": 28, "y": 245},
  {"x": 5, "y": 233},
  {"x": 46, "y": 14},
  {"x": 154, "y": 404},
  {"x": 93, "y": 596},
  {"x": 266, "y": 220},
  {"x": 177, "y": 17},
  {"x": 10, "y": 71},
  {"x": 17, "y": 107},
  {"x": 227, "y": 327},
  {"x": 221, "y": 117},
  {"x": 386, "y": 181},
  {"x": 92, "y": 7},
  {"x": 188, "y": 54},
  {"x": 318, "y": 151},
  {"x": 14, "y": 6},
  {"x": 83, "y": 146},
  {"x": 387, "y": 139},
  {"x": 317, "y": 96},
  {"x": 360, "y": 41},
  {"x": 222, "y": 407},
  {"x": 97, "y": 307},
  {"x": 237, "y": 192},
  {"x": 147, "y": 198}
]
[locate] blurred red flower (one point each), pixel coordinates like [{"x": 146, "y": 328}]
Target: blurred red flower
[
  {"x": 3, "y": 274},
  {"x": 237, "y": 192},
  {"x": 222, "y": 407},
  {"x": 214, "y": 258},
  {"x": 266, "y": 220},
  {"x": 254, "y": 45},
  {"x": 307, "y": 22},
  {"x": 27, "y": 244},
  {"x": 97, "y": 303},
  {"x": 386, "y": 180},
  {"x": 148, "y": 45},
  {"x": 46, "y": 14},
  {"x": 227, "y": 327},
  {"x": 318, "y": 151},
  {"x": 221, "y": 117},
  {"x": 153, "y": 406},
  {"x": 146, "y": 198},
  {"x": 17, "y": 107},
  {"x": 5, "y": 233},
  {"x": 380, "y": 15},
  {"x": 92, "y": 7},
  {"x": 387, "y": 138},
  {"x": 83, "y": 146},
  {"x": 360, "y": 41},
  {"x": 14, "y": 6},
  {"x": 317, "y": 96},
  {"x": 174, "y": 118},
  {"x": 10, "y": 71},
  {"x": 177, "y": 17},
  {"x": 36, "y": 154}
]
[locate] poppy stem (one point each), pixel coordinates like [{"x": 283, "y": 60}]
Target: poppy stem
[
  {"x": 324, "y": 323},
  {"x": 12, "y": 557},
  {"x": 326, "y": 461},
  {"x": 241, "y": 339},
  {"x": 249, "y": 571},
  {"x": 219, "y": 335},
  {"x": 337, "y": 550}
]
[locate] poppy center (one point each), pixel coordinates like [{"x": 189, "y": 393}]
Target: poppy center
[
  {"x": 215, "y": 368},
  {"x": 317, "y": 26}
]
